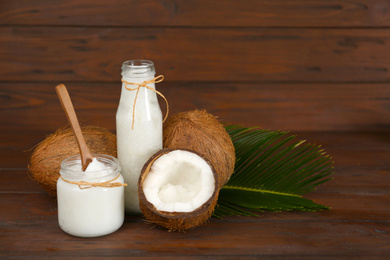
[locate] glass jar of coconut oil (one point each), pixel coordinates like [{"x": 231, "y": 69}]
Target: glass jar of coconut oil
[
  {"x": 138, "y": 125},
  {"x": 90, "y": 203}
]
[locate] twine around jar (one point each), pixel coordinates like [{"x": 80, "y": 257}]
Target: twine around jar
[
  {"x": 86, "y": 185},
  {"x": 144, "y": 84}
]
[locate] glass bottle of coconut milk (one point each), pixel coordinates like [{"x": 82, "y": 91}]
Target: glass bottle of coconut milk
[{"x": 138, "y": 126}]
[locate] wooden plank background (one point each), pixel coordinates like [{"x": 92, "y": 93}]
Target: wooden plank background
[
  {"x": 291, "y": 65},
  {"x": 262, "y": 13},
  {"x": 288, "y": 65},
  {"x": 318, "y": 68}
]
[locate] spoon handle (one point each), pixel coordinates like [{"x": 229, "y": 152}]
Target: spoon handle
[{"x": 63, "y": 95}]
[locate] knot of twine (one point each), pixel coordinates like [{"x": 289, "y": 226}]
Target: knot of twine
[
  {"x": 86, "y": 185},
  {"x": 144, "y": 84}
]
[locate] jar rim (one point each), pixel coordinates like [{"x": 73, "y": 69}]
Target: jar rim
[{"x": 108, "y": 160}]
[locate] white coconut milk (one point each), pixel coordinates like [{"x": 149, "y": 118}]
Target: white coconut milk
[
  {"x": 87, "y": 211},
  {"x": 139, "y": 141}
]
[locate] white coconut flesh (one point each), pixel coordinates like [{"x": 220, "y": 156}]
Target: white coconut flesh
[{"x": 179, "y": 181}]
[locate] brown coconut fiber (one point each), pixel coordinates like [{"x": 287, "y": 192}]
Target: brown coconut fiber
[{"x": 46, "y": 158}]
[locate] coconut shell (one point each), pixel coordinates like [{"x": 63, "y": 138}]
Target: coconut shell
[
  {"x": 201, "y": 132},
  {"x": 176, "y": 221},
  {"x": 46, "y": 158}
]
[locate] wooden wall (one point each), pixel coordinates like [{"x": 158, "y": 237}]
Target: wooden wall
[{"x": 298, "y": 65}]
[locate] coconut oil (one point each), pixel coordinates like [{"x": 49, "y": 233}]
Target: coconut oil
[
  {"x": 85, "y": 210},
  {"x": 138, "y": 128}
]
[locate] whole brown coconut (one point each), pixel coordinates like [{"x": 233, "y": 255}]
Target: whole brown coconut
[
  {"x": 45, "y": 161},
  {"x": 176, "y": 221},
  {"x": 200, "y": 131}
]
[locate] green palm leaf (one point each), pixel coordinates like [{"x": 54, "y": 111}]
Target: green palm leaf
[{"x": 272, "y": 172}]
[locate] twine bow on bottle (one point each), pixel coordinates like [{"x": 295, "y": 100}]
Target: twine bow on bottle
[
  {"x": 86, "y": 185},
  {"x": 144, "y": 84}
]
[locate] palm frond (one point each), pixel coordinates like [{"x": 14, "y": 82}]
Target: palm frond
[{"x": 272, "y": 172}]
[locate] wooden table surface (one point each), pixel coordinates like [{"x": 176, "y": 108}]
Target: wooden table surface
[{"x": 357, "y": 226}]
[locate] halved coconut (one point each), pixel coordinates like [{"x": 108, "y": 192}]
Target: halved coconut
[{"x": 178, "y": 189}]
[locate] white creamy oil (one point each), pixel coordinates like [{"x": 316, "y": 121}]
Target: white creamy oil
[
  {"x": 179, "y": 181},
  {"x": 95, "y": 165},
  {"x": 138, "y": 128},
  {"x": 90, "y": 203}
]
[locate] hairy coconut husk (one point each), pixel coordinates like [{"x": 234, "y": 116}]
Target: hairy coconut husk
[
  {"x": 45, "y": 161},
  {"x": 201, "y": 132},
  {"x": 176, "y": 221}
]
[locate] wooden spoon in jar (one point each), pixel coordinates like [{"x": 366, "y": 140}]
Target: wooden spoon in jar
[{"x": 63, "y": 95}]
